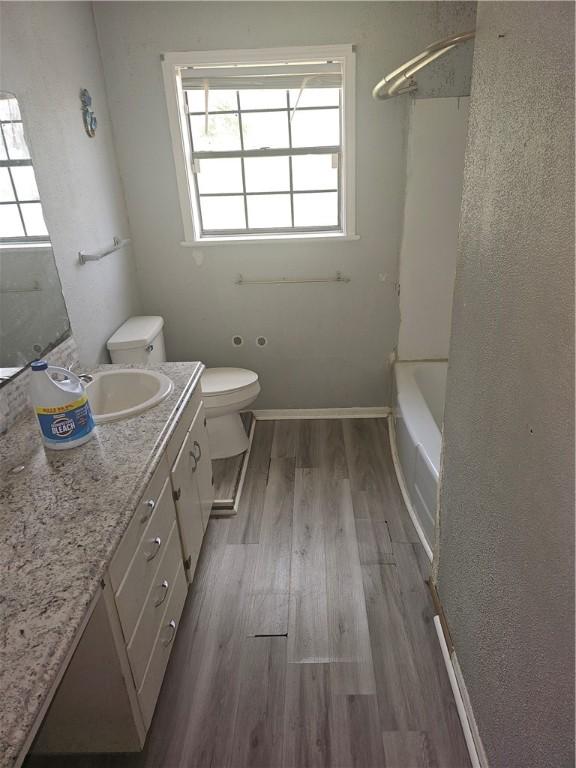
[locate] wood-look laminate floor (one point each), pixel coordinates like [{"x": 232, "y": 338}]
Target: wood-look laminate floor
[{"x": 307, "y": 638}]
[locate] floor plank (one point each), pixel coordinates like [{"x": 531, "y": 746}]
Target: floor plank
[
  {"x": 355, "y": 732},
  {"x": 261, "y": 447},
  {"x": 374, "y": 485},
  {"x": 321, "y": 446},
  {"x": 307, "y": 737},
  {"x": 271, "y": 583},
  {"x": 397, "y": 681},
  {"x": 408, "y": 749},
  {"x": 285, "y": 440},
  {"x": 352, "y": 672},
  {"x": 374, "y": 543},
  {"x": 206, "y": 703},
  {"x": 308, "y": 638},
  {"x": 258, "y": 731}
]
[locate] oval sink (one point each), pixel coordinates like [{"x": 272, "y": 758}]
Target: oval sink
[{"x": 121, "y": 394}]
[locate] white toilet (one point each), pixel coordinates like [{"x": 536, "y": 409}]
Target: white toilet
[{"x": 225, "y": 391}]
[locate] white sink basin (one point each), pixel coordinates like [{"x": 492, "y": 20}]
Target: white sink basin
[{"x": 126, "y": 392}]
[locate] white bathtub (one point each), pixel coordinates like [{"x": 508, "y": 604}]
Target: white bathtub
[{"x": 418, "y": 413}]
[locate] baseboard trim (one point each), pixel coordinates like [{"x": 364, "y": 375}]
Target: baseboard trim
[
  {"x": 404, "y": 489},
  {"x": 277, "y": 414},
  {"x": 463, "y": 705}
]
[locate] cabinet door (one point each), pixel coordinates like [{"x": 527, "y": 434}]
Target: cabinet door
[
  {"x": 201, "y": 451},
  {"x": 188, "y": 507}
]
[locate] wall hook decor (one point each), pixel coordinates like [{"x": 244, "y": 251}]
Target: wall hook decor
[{"x": 88, "y": 115}]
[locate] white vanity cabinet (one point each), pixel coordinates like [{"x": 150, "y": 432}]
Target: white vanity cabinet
[{"x": 108, "y": 694}]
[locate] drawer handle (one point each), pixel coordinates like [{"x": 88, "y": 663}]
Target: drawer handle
[
  {"x": 172, "y": 627},
  {"x": 149, "y": 504},
  {"x": 193, "y": 457},
  {"x": 198, "y": 448},
  {"x": 164, "y": 588},
  {"x": 157, "y": 542},
  {"x": 150, "y": 348}
]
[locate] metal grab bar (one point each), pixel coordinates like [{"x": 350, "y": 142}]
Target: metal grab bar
[
  {"x": 84, "y": 257},
  {"x": 339, "y": 278},
  {"x": 400, "y": 80}
]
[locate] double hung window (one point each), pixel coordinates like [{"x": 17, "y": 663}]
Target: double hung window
[
  {"x": 263, "y": 142},
  {"x": 21, "y": 217}
]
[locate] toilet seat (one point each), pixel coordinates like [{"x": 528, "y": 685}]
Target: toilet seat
[
  {"x": 222, "y": 381},
  {"x": 226, "y": 392}
]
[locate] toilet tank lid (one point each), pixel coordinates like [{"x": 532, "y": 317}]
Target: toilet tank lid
[{"x": 136, "y": 332}]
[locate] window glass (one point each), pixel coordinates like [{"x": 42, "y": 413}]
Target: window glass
[
  {"x": 316, "y": 128},
  {"x": 218, "y": 101},
  {"x": 269, "y": 211},
  {"x": 265, "y": 130},
  {"x": 15, "y": 141},
  {"x": 25, "y": 182},
  {"x": 10, "y": 222},
  {"x": 223, "y": 133},
  {"x": 33, "y": 219},
  {"x": 223, "y": 212},
  {"x": 267, "y": 174},
  {"x": 9, "y": 109},
  {"x": 6, "y": 190},
  {"x": 314, "y": 172},
  {"x": 316, "y": 210},
  {"x": 219, "y": 175}
]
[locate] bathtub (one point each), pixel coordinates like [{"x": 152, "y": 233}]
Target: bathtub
[{"x": 417, "y": 439}]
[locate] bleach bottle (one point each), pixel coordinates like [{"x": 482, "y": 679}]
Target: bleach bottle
[{"x": 61, "y": 406}]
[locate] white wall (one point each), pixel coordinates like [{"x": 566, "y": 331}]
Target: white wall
[
  {"x": 48, "y": 52},
  {"x": 506, "y": 556},
  {"x": 328, "y": 344},
  {"x": 434, "y": 177}
]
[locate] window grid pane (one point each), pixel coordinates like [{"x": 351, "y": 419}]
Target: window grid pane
[
  {"x": 268, "y": 196},
  {"x": 20, "y": 206}
]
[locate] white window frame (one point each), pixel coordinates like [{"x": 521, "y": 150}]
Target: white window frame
[{"x": 174, "y": 62}]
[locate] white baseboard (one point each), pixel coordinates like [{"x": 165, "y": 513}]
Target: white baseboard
[
  {"x": 404, "y": 489},
  {"x": 465, "y": 713},
  {"x": 482, "y": 759},
  {"x": 276, "y": 414}
]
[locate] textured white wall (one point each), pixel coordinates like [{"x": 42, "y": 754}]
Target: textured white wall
[
  {"x": 48, "y": 52},
  {"x": 434, "y": 176},
  {"x": 506, "y": 557},
  {"x": 328, "y": 344}
]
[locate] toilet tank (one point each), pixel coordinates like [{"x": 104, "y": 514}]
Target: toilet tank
[{"x": 139, "y": 340}]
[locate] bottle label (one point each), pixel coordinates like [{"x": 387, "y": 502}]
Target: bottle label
[{"x": 66, "y": 423}]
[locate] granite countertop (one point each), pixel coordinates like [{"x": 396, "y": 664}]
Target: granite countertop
[{"x": 61, "y": 519}]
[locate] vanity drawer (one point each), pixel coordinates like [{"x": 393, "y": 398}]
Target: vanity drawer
[
  {"x": 150, "y": 688},
  {"x": 142, "y": 642},
  {"x": 131, "y": 596},
  {"x": 190, "y": 411},
  {"x": 137, "y": 525}
]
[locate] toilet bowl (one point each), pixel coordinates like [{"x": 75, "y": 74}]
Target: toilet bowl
[{"x": 226, "y": 392}]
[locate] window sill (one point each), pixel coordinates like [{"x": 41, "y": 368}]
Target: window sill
[{"x": 210, "y": 241}]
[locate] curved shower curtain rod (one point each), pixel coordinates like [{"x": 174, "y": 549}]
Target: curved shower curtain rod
[{"x": 400, "y": 80}]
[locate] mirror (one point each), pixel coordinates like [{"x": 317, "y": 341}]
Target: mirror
[{"x": 33, "y": 317}]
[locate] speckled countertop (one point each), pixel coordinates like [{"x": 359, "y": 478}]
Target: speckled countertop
[{"x": 61, "y": 520}]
